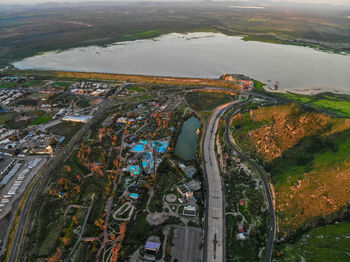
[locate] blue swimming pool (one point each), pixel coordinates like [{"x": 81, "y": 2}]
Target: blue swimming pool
[
  {"x": 160, "y": 146},
  {"x": 138, "y": 148}
]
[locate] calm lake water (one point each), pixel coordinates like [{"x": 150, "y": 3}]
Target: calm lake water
[
  {"x": 187, "y": 141},
  {"x": 206, "y": 55}
]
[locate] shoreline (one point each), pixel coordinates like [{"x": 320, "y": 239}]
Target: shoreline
[
  {"x": 172, "y": 80},
  {"x": 307, "y": 91},
  {"x": 245, "y": 37}
]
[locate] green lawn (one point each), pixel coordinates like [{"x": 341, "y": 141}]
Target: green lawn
[
  {"x": 62, "y": 84},
  {"x": 66, "y": 129},
  {"x": 208, "y": 101},
  {"x": 259, "y": 85},
  {"x": 32, "y": 83},
  {"x": 328, "y": 243},
  {"x": 27, "y": 102},
  {"x": 6, "y": 116},
  {"x": 7, "y": 85},
  {"x": 83, "y": 103},
  {"x": 146, "y": 96},
  {"x": 137, "y": 88},
  {"x": 341, "y": 106},
  {"x": 335, "y": 103},
  {"x": 41, "y": 120}
]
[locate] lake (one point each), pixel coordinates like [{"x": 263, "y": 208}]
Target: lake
[
  {"x": 187, "y": 141},
  {"x": 207, "y": 55}
]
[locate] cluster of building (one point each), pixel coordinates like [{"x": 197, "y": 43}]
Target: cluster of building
[
  {"x": 67, "y": 115},
  {"x": 77, "y": 118},
  {"x": 246, "y": 83},
  {"x": 91, "y": 88},
  {"x": 128, "y": 121},
  {"x": 9, "y": 96},
  {"x": 37, "y": 143},
  {"x": 186, "y": 190}
]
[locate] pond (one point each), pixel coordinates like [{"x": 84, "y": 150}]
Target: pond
[
  {"x": 207, "y": 55},
  {"x": 187, "y": 141}
]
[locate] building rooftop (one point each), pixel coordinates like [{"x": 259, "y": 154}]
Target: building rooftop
[
  {"x": 152, "y": 246},
  {"x": 82, "y": 119}
]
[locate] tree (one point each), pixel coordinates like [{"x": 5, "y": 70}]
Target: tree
[
  {"x": 56, "y": 257},
  {"x": 53, "y": 142}
]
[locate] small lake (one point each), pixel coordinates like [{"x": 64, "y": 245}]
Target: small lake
[
  {"x": 207, "y": 55},
  {"x": 187, "y": 141}
]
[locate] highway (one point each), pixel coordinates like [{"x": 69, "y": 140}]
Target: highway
[
  {"x": 272, "y": 227},
  {"x": 214, "y": 246},
  {"x": 43, "y": 177}
]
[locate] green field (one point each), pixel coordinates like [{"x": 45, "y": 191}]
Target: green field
[
  {"x": 259, "y": 85},
  {"x": 32, "y": 83},
  {"x": 6, "y": 116},
  {"x": 137, "y": 88},
  {"x": 208, "y": 101},
  {"x": 7, "y": 85},
  {"x": 27, "y": 102},
  {"x": 41, "y": 120},
  {"x": 61, "y": 84},
  {"x": 323, "y": 244},
  {"x": 66, "y": 129},
  {"x": 83, "y": 103},
  {"x": 143, "y": 97},
  {"x": 335, "y": 103}
]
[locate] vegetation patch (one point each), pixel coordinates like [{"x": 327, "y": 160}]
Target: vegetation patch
[
  {"x": 83, "y": 103},
  {"x": 323, "y": 244},
  {"x": 307, "y": 155},
  {"x": 338, "y": 104},
  {"x": 61, "y": 84},
  {"x": 166, "y": 179},
  {"x": 8, "y": 117},
  {"x": 208, "y": 101},
  {"x": 7, "y": 85},
  {"x": 41, "y": 120},
  {"x": 66, "y": 129}
]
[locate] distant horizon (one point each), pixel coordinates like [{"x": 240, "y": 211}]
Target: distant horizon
[{"x": 316, "y": 2}]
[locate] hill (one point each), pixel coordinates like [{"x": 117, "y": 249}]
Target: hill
[{"x": 306, "y": 153}]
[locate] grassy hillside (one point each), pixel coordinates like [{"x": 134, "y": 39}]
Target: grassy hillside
[
  {"x": 307, "y": 155},
  {"x": 338, "y": 104},
  {"x": 324, "y": 244}
]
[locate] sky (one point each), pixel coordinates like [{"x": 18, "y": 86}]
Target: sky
[{"x": 334, "y": 2}]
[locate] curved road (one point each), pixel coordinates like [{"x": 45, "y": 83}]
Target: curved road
[{"x": 272, "y": 228}]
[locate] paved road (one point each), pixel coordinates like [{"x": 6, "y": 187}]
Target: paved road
[
  {"x": 82, "y": 229},
  {"x": 272, "y": 228},
  {"x": 42, "y": 179},
  {"x": 214, "y": 250}
]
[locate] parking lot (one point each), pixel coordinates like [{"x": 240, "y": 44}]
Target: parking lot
[
  {"x": 187, "y": 244},
  {"x": 17, "y": 173}
]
